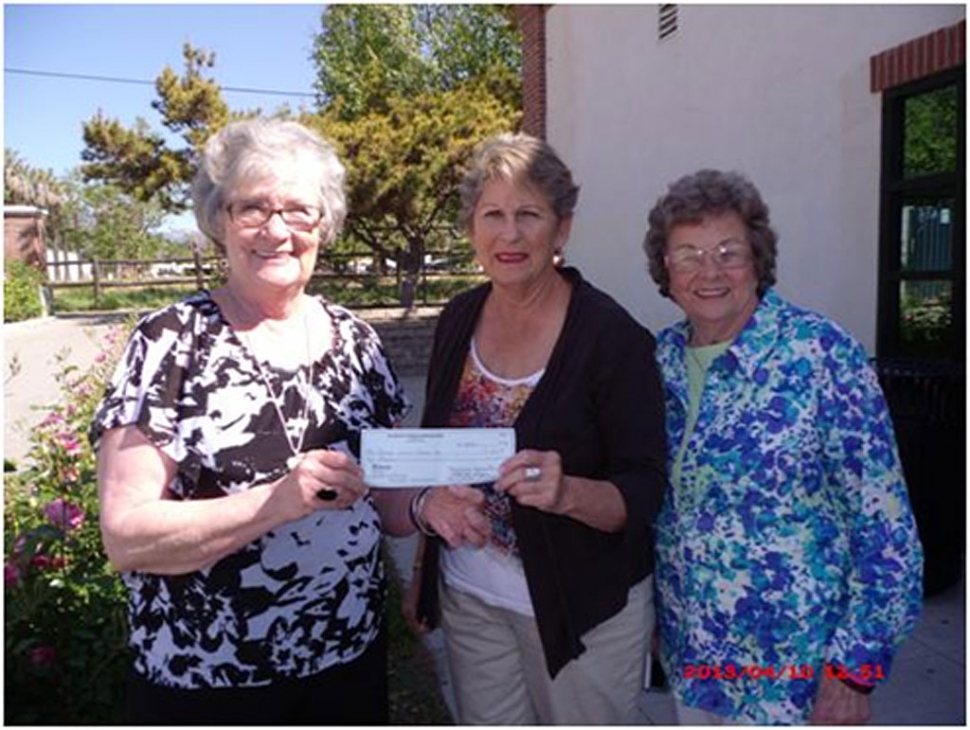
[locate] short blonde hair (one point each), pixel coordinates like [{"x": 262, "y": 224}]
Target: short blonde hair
[{"x": 518, "y": 158}]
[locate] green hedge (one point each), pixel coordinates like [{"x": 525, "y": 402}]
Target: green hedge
[{"x": 21, "y": 292}]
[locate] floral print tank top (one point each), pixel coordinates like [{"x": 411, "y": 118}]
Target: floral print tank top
[{"x": 485, "y": 400}]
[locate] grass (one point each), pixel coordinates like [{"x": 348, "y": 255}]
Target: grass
[
  {"x": 415, "y": 695},
  {"x": 81, "y": 299},
  {"x": 371, "y": 292}
]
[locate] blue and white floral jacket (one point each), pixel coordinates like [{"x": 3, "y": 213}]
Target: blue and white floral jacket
[{"x": 789, "y": 550}]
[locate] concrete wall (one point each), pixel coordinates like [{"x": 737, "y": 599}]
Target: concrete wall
[
  {"x": 407, "y": 338},
  {"x": 779, "y": 92}
]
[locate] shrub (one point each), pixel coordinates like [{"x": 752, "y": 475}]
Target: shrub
[
  {"x": 65, "y": 642},
  {"x": 21, "y": 292}
]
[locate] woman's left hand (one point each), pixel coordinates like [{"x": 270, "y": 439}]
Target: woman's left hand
[{"x": 535, "y": 479}]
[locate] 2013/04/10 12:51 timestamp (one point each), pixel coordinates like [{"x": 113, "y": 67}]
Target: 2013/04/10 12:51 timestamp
[{"x": 866, "y": 673}]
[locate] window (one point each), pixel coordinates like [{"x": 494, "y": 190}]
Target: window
[{"x": 922, "y": 285}]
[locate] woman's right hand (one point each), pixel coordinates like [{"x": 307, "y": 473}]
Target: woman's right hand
[
  {"x": 323, "y": 479},
  {"x": 457, "y": 514},
  {"x": 145, "y": 528}
]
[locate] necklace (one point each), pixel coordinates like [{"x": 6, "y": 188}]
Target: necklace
[{"x": 296, "y": 449}]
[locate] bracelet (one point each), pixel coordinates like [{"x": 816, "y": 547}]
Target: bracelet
[
  {"x": 414, "y": 512},
  {"x": 863, "y": 689}
]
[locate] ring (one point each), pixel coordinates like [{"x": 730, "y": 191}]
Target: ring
[
  {"x": 326, "y": 494},
  {"x": 533, "y": 473}
]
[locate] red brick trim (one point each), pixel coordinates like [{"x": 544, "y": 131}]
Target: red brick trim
[
  {"x": 532, "y": 24},
  {"x": 924, "y": 56}
]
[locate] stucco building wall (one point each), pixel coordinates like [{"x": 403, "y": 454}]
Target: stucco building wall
[{"x": 779, "y": 92}]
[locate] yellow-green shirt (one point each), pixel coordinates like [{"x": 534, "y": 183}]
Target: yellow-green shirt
[{"x": 699, "y": 360}]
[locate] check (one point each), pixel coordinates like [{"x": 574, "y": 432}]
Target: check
[{"x": 419, "y": 457}]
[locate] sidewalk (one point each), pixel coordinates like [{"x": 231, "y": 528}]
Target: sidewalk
[
  {"x": 30, "y": 362},
  {"x": 928, "y": 681}
]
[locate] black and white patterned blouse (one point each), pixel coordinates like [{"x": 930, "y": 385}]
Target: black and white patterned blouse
[{"x": 307, "y": 595}]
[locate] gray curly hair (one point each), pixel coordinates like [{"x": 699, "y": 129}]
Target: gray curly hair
[{"x": 248, "y": 148}]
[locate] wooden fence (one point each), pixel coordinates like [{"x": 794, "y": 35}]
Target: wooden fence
[{"x": 332, "y": 270}]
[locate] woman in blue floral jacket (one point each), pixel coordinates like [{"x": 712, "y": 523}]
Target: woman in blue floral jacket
[{"x": 788, "y": 563}]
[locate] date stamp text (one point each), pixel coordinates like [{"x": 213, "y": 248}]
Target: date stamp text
[{"x": 864, "y": 673}]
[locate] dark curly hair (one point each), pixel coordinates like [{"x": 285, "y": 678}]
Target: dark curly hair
[{"x": 709, "y": 193}]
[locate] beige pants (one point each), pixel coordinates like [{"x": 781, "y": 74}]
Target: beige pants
[{"x": 499, "y": 670}]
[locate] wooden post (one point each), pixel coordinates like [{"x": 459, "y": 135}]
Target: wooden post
[
  {"x": 199, "y": 280},
  {"x": 424, "y": 277},
  {"x": 96, "y": 274}
]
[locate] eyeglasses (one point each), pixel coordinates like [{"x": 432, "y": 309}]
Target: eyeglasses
[
  {"x": 253, "y": 214},
  {"x": 728, "y": 255}
]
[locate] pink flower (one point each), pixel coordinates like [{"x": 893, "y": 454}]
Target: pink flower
[
  {"x": 19, "y": 544},
  {"x": 111, "y": 336},
  {"x": 52, "y": 418},
  {"x": 11, "y": 574},
  {"x": 71, "y": 474},
  {"x": 65, "y": 515},
  {"x": 45, "y": 562},
  {"x": 69, "y": 443},
  {"x": 42, "y": 656}
]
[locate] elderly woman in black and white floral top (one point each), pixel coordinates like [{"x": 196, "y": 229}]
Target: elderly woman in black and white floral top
[{"x": 231, "y": 497}]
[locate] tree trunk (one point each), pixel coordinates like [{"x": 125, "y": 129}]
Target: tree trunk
[{"x": 412, "y": 259}]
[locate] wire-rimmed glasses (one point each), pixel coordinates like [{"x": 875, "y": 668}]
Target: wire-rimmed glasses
[
  {"x": 255, "y": 213},
  {"x": 727, "y": 255}
]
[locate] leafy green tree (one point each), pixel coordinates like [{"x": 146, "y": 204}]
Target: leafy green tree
[
  {"x": 406, "y": 93},
  {"x": 102, "y": 221},
  {"x": 367, "y": 55},
  {"x": 475, "y": 42},
  {"x": 140, "y": 161},
  {"x": 404, "y": 167}
]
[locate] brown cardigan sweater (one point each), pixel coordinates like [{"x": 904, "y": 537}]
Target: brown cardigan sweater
[{"x": 599, "y": 404}]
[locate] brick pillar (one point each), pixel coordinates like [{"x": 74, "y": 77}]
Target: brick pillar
[
  {"x": 532, "y": 24},
  {"x": 924, "y": 56}
]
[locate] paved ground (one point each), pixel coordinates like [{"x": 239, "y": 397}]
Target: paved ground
[
  {"x": 928, "y": 682},
  {"x": 30, "y": 362}
]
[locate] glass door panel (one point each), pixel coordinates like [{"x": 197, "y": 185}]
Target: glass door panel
[
  {"x": 930, "y": 132},
  {"x": 926, "y": 318},
  {"x": 926, "y": 235}
]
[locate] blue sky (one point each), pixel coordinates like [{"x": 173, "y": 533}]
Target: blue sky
[{"x": 256, "y": 46}]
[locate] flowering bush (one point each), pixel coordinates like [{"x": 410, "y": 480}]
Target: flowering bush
[{"x": 65, "y": 647}]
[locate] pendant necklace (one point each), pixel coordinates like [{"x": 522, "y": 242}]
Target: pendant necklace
[{"x": 297, "y": 448}]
